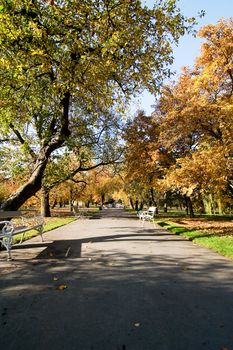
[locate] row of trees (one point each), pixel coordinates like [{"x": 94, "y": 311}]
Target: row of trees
[
  {"x": 186, "y": 146},
  {"x": 64, "y": 88},
  {"x": 67, "y": 68},
  {"x": 95, "y": 187}
]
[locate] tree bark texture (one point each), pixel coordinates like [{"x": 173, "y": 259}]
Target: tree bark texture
[
  {"x": 29, "y": 189},
  {"x": 34, "y": 183},
  {"x": 45, "y": 206},
  {"x": 190, "y": 207},
  {"x": 131, "y": 202}
]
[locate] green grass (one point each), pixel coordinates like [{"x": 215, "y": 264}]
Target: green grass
[
  {"x": 50, "y": 224},
  {"x": 179, "y": 213},
  {"x": 221, "y": 244}
]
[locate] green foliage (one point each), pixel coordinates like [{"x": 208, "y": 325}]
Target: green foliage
[
  {"x": 91, "y": 49},
  {"x": 66, "y": 66}
]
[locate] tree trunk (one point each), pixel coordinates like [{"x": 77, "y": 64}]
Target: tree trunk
[
  {"x": 141, "y": 205},
  {"x": 33, "y": 185},
  {"x": 154, "y": 203},
  {"x": 71, "y": 200},
  {"x": 54, "y": 203},
  {"x": 152, "y": 197},
  {"x": 186, "y": 204},
  {"x": 190, "y": 207},
  {"x": 29, "y": 189},
  {"x": 45, "y": 207},
  {"x": 202, "y": 206},
  {"x": 180, "y": 204},
  {"x": 131, "y": 202}
]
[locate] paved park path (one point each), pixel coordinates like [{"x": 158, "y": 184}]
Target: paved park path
[{"x": 128, "y": 288}]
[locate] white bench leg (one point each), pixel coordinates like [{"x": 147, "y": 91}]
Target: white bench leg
[
  {"x": 40, "y": 230},
  {"x": 7, "y": 243},
  {"x": 142, "y": 222},
  {"x": 22, "y": 236}
]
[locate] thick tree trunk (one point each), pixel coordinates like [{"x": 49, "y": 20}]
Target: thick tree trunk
[
  {"x": 71, "y": 201},
  {"x": 45, "y": 207},
  {"x": 186, "y": 204},
  {"x": 131, "y": 202},
  {"x": 154, "y": 201},
  {"x": 54, "y": 203},
  {"x": 152, "y": 197},
  {"x": 29, "y": 189},
  {"x": 141, "y": 205},
  {"x": 190, "y": 207},
  {"x": 34, "y": 183}
]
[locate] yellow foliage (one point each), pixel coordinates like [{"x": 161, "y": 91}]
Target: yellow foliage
[{"x": 204, "y": 171}]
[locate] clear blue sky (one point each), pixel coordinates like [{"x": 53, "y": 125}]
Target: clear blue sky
[{"x": 189, "y": 46}]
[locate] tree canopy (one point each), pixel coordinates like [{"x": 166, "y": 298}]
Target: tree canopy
[
  {"x": 195, "y": 124},
  {"x": 65, "y": 65}
]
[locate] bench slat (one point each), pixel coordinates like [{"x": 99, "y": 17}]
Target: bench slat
[
  {"x": 10, "y": 214},
  {"x": 8, "y": 229},
  {"x": 21, "y": 230}
]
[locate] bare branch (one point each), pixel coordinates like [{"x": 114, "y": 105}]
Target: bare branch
[{"x": 79, "y": 181}]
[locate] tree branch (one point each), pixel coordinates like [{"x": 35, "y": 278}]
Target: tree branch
[
  {"x": 21, "y": 140},
  {"x": 65, "y": 132}
]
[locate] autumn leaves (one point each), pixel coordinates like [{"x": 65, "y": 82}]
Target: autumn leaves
[
  {"x": 67, "y": 72},
  {"x": 186, "y": 145}
]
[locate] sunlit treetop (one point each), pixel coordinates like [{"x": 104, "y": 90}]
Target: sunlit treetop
[{"x": 97, "y": 51}]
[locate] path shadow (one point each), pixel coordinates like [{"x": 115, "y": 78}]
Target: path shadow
[
  {"x": 114, "y": 214},
  {"x": 63, "y": 249},
  {"x": 124, "y": 301}
]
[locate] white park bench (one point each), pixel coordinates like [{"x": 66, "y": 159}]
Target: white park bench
[
  {"x": 147, "y": 215},
  {"x": 15, "y": 223}
]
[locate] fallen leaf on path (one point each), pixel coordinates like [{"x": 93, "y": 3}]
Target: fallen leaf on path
[
  {"x": 137, "y": 324},
  {"x": 62, "y": 286}
]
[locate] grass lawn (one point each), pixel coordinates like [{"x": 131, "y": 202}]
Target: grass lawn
[
  {"x": 50, "y": 224},
  {"x": 213, "y": 234}
]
